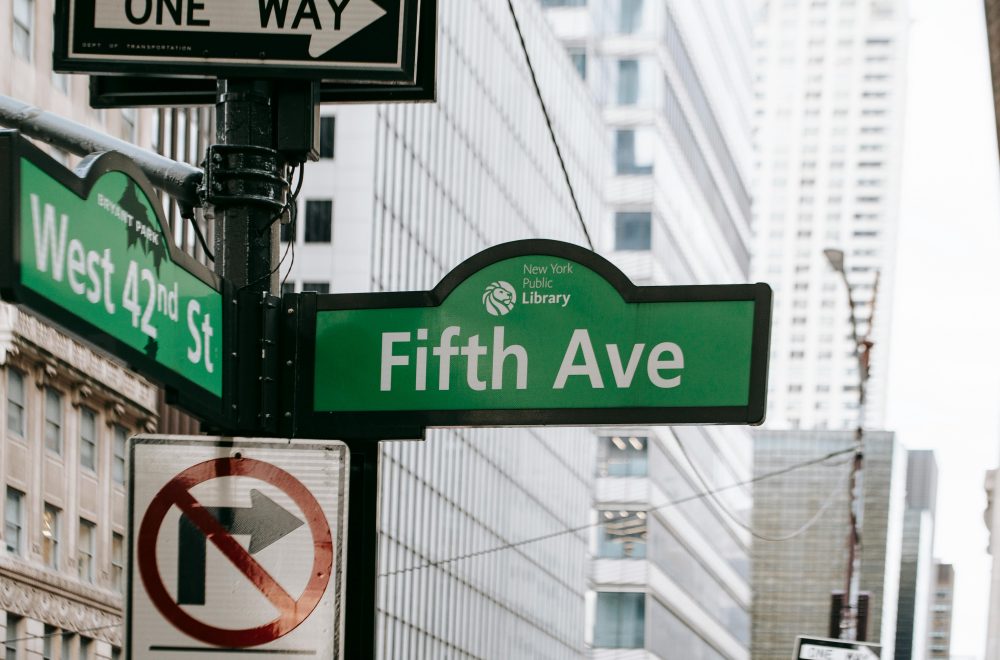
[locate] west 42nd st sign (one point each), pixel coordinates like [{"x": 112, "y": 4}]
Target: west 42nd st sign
[
  {"x": 88, "y": 250},
  {"x": 530, "y": 333}
]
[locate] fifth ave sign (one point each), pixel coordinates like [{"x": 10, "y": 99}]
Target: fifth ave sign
[{"x": 349, "y": 40}]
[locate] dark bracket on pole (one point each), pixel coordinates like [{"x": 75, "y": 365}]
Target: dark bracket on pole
[{"x": 244, "y": 175}]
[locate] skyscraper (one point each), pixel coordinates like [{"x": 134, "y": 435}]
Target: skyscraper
[
  {"x": 916, "y": 572},
  {"x": 939, "y": 633},
  {"x": 403, "y": 194},
  {"x": 674, "y": 86},
  {"x": 406, "y": 192},
  {"x": 829, "y": 101},
  {"x": 801, "y": 554}
]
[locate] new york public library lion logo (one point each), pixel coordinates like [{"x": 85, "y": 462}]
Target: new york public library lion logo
[{"x": 499, "y": 298}]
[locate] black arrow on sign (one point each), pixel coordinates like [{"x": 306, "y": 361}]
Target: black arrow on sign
[{"x": 264, "y": 522}]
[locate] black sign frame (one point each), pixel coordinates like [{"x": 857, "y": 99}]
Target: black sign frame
[
  {"x": 221, "y": 53},
  {"x": 845, "y": 644},
  {"x": 179, "y": 390},
  {"x": 298, "y": 419}
]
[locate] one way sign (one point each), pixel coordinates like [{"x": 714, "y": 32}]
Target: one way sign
[
  {"x": 362, "y": 41},
  {"x": 815, "y": 648},
  {"x": 236, "y": 545}
]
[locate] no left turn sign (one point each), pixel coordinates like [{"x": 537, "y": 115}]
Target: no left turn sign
[{"x": 236, "y": 545}]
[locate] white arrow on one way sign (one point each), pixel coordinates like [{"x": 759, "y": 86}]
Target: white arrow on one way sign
[
  {"x": 814, "y": 652},
  {"x": 328, "y": 22}
]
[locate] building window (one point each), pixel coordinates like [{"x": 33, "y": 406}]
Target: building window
[
  {"x": 619, "y": 622},
  {"x": 14, "y": 626},
  {"x": 622, "y": 534},
  {"x": 86, "y": 648},
  {"x": 48, "y": 641},
  {"x": 327, "y": 126},
  {"x": 118, "y": 562},
  {"x": 66, "y": 648},
  {"x": 53, "y": 420},
  {"x": 23, "y": 28},
  {"x": 88, "y": 438},
  {"x": 15, "y": 402},
  {"x": 579, "y": 58},
  {"x": 622, "y": 456},
  {"x": 633, "y": 230},
  {"x": 630, "y": 17},
  {"x": 118, "y": 458},
  {"x": 14, "y": 521},
  {"x": 632, "y": 155},
  {"x": 85, "y": 551},
  {"x": 319, "y": 220},
  {"x": 628, "y": 82},
  {"x": 318, "y": 287},
  {"x": 50, "y": 536}
]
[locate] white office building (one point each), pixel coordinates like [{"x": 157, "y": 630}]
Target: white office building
[
  {"x": 403, "y": 194},
  {"x": 829, "y": 101},
  {"x": 673, "y": 82},
  {"x": 406, "y": 192}
]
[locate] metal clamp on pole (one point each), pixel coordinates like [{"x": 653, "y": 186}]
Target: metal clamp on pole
[{"x": 245, "y": 175}]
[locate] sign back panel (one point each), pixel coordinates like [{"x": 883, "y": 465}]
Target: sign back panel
[
  {"x": 90, "y": 250},
  {"x": 352, "y": 41},
  {"x": 525, "y": 334}
]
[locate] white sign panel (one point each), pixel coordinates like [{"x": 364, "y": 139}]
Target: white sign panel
[
  {"x": 835, "y": 649},
  {"x": 236, "y": 545}
]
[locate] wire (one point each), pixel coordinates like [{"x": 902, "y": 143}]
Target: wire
[
  {"x": 200, "y": 236},
  {"x": 581, "y": 528},
  {"x": 757, "y": 535},
  {"x": 548, "y": 123}
]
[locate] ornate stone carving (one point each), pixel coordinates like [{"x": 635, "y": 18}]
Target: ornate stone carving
[
  {"x": 33, "y": 335},
  {"x": 58, "y": 601}
]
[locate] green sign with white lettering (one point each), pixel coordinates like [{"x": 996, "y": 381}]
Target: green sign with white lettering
[
  {"x": 532, "y": 333},
  {"x": 89, "y": 250}
]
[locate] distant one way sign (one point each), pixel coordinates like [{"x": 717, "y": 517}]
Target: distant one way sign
[{"x": 815, "y": 648}]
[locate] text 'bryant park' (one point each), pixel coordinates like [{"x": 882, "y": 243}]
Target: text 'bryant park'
[{"x": 500, "y": 329}]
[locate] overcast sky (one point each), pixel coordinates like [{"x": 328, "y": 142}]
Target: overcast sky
[{"x": 944, "y": 382}]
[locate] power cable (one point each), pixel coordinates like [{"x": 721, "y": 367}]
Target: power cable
[
  {"x": 580, "y": 528},
  {"x": 548, "y": 123},
  {"x": 757, "y": 535}
]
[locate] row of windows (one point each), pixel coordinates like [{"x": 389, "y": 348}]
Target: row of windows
[
  {"x": 56, "y": 644},
  {"x": 15, "y": 536},
  {"x": 53, "y": 432}
]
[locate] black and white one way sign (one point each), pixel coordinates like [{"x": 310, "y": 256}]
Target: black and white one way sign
[{"x": 362, "y": 40}]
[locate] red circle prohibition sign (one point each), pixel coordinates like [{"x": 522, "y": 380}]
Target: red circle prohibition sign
[{"x": 177, "y": 493}]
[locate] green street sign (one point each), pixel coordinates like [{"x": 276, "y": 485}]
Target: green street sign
[
  {"x": 527, "y": 333},
  {"x": 89, "y": 250}
]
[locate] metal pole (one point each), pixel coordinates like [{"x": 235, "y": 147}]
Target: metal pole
[
  {"x": 850, "y": 625},
  {"x": 179, "y": 180},
  {"x": 246, "y": 238}
]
